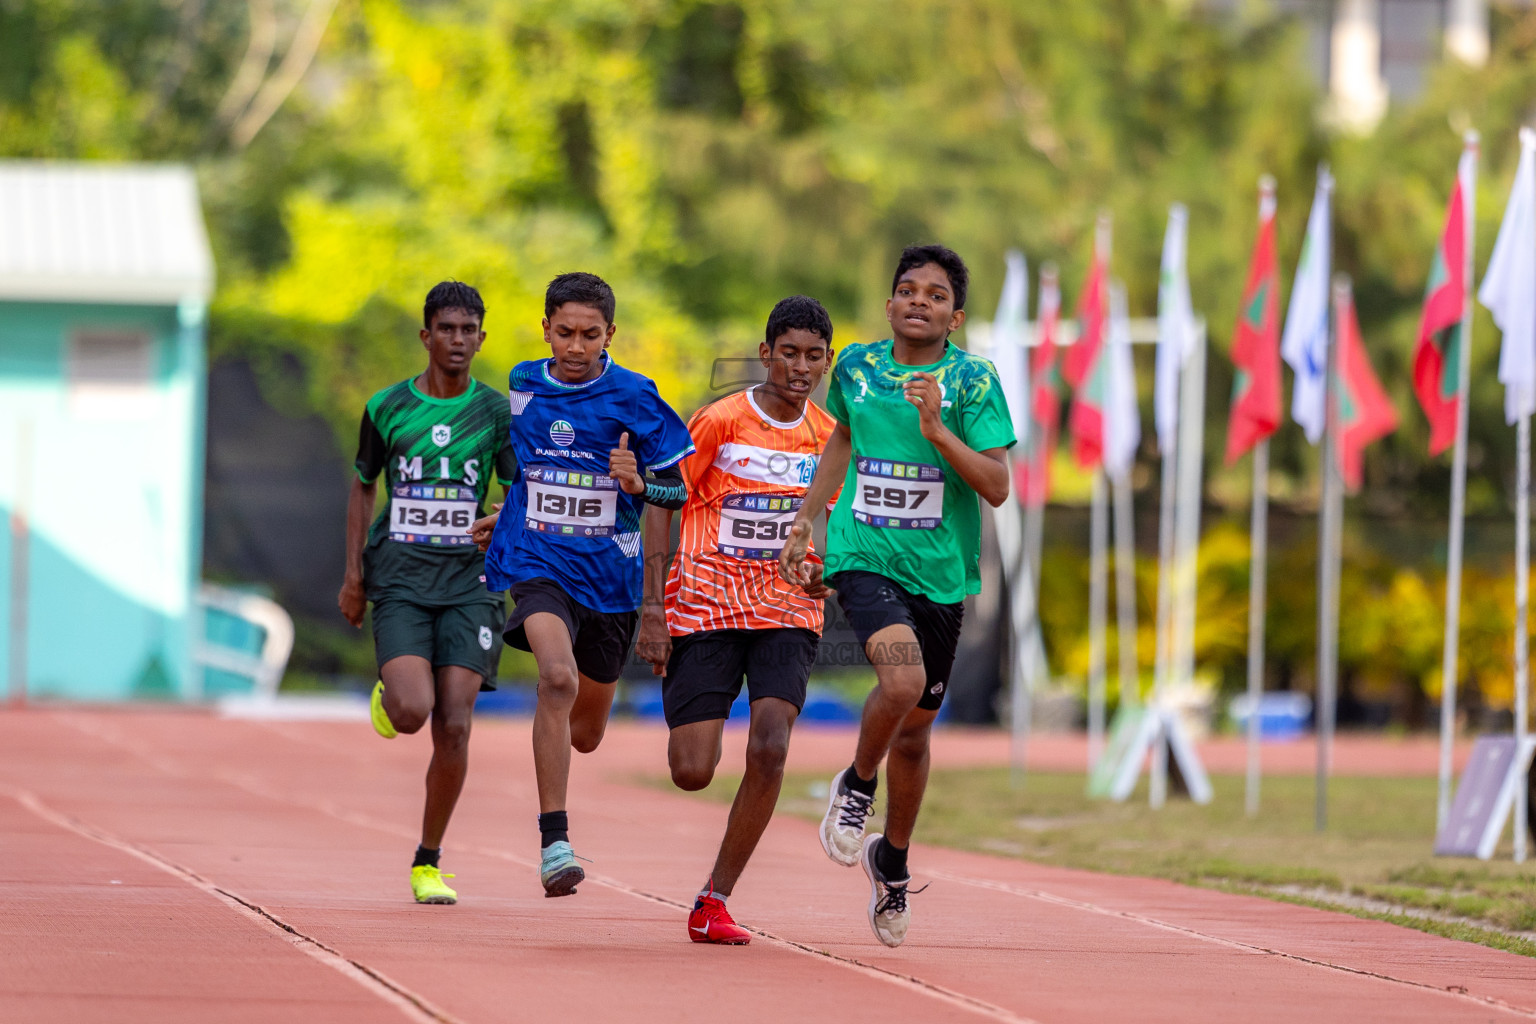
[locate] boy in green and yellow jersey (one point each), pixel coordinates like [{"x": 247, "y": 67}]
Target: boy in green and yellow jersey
[
  {"x": 437, "y": 439},
  {"x": 922, "y": 430}
]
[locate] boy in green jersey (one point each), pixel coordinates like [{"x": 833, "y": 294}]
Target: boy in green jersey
[
  {"x": 437, "y": 438},
  {"x": 922, "y": 429}
]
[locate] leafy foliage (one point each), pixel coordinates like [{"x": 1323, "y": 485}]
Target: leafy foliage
[{"x": 710, "y": 156}]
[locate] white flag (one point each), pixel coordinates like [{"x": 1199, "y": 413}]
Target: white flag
[
  {"x": 1509, "y": 287},
  {"x": 1175, "y": 328},
  {"x": 1305, "y": 341},
  {"x": 1008, "y": 342},
  {"x": 1122, "y": 419}
]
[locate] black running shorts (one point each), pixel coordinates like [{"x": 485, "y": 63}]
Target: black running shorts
[
  {"x": 872, "y": 602},
  {"x": 600, "y": 640},
  {"x": 466, "y": 635},
  {"x": 705, "y": 671}
]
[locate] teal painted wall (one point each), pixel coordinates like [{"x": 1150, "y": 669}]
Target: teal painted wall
[{"x": 114, "y": 482}]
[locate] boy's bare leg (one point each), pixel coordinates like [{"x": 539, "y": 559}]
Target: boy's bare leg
[
  {"x": 767, "y": 748},
  {"x": 906, "y": 776},
  {"x": 409, "y": 692},
  {"x": 452, "y": 713},
  {"x": 899, "y": 674},
  {"x": 589, "y": 713},
  {"x": 559, "y": 684}
]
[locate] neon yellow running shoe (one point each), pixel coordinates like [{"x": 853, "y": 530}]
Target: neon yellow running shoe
[
  {"x": 381, "y": 723},
  {"x": 427, "y": 883}
]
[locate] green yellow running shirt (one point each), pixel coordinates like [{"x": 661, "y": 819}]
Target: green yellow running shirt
[
  {"x": 436, "y": 458},
  {"x": 904, "y": 512}
]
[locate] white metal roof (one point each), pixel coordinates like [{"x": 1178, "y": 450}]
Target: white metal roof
[{"x": 97, "y": 232}]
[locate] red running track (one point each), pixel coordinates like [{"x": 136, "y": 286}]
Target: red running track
[{"x": 176, "y": 867}]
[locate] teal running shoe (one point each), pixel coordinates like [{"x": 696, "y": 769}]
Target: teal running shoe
[{"x": 559, "y": 871}]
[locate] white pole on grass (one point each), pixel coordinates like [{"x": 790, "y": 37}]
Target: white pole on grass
[
  {"x": 1522, "y": 601},
  {"x": 1448, "y": 674},
  {"x": 1098, "y": 585},
  {"x": 1186, "y": 546},
  {"x": 1329, "y": 537},
  {"x": 1258, "y": 570}
]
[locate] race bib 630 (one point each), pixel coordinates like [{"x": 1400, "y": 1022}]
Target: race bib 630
[{"x": 756, "y": 525}]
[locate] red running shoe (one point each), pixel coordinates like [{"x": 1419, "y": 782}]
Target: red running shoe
[{"x": 711, "y": 922}]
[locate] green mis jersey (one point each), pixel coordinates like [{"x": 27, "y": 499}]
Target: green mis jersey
[
  {"x": 436, "y": 457},
  {"x": 904, "y": 512}
]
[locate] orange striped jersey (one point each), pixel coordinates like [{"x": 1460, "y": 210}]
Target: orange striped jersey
[{"x": 746, "y": 479}]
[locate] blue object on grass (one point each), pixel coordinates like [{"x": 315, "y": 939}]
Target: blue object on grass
[{"x": 1283, "y": 714}]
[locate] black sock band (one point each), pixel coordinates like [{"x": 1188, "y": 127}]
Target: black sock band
[
  {"x": 891, "y": 860},
  {"x": 553, "y": 828},
  {"x": 426, "y": 856},
  {"x": 866, "y": 786}
]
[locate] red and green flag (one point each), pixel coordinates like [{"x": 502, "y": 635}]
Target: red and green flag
[
  {"x": 1083, "y": 366},
  {"x": 1044, "y": 401},
  {"x": 1365, "y": 413},
  {"x": 1437, "y": 356},
  {"x": 1256, "y": 343}
]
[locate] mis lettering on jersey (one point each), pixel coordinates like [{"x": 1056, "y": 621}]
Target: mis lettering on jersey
[{"x": 766, "y": 465}]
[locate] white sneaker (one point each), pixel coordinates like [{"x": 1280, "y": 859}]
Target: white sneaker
[
  {"x": 888, "y": 913},
  {"x": 842, "y": 828}
]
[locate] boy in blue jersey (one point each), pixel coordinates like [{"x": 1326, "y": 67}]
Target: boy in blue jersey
[{"x": 594, "y": 444}]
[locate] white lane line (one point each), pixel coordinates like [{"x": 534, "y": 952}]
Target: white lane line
[
  {"x": 414, "y": 1007},
  {"x": 1457, "y": 992},
  {"x": 266, "y": 792}
]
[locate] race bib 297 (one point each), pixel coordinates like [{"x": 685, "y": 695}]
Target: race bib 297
[{"x": 898, "y": 495}]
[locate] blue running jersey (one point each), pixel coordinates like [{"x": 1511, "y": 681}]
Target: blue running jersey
[{"x": 565, "y": 518}]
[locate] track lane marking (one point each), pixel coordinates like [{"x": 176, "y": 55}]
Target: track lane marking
[
  {"x": 258, "y": 788},
  {"x": 415, "y": 1007},
  {"x": 1152, "y": 922}
]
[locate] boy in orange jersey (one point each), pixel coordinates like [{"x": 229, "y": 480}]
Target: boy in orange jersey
[{"x": 726, "y": 613}]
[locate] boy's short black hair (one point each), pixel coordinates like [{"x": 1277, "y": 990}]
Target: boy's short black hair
[
  {"x": 452, "y": 295},
  {"x": 800, "y": 311},
  {"x": 582, "y": 288},
  {"x": 945, "y": 258}
]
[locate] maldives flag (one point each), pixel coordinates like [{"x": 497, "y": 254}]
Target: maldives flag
[
  {"x": 1256, "y": 342},
  {"x": 1044, "y": 402},
  {"x": 1083, "y": 366},
  {"x": 1437, "y": 356},
  {"x": 1365, "y": 413}
]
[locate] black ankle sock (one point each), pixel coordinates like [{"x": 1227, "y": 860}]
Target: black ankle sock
[
  {"x": 553, "y": 828},
  {"x": 425, "y": 856},
  {"x": 891, "y": 860},
  {"x": 866, "y": 786}
]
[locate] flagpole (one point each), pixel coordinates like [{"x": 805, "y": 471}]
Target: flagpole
[
  {"x": 1186, "y": 540},
  {"x": 1448, "y": 673},
  {"x": 1327, "y": 562},
  {"x": 1522, "y": 603},
  {"x": 1125, "y": 590},
  {"x": 1165, "y": 523},
  {"x": 1098, "y": 584},
  {"x": 1258, "y": 568},
  {"x": 1124, "y": 522},
  {"x": 1258, "y": 576}
]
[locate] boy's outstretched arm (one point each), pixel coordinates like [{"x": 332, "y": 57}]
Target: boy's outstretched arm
[
  {"x": 830, "y": 472},
  {"x": 654, "y": 641}
]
